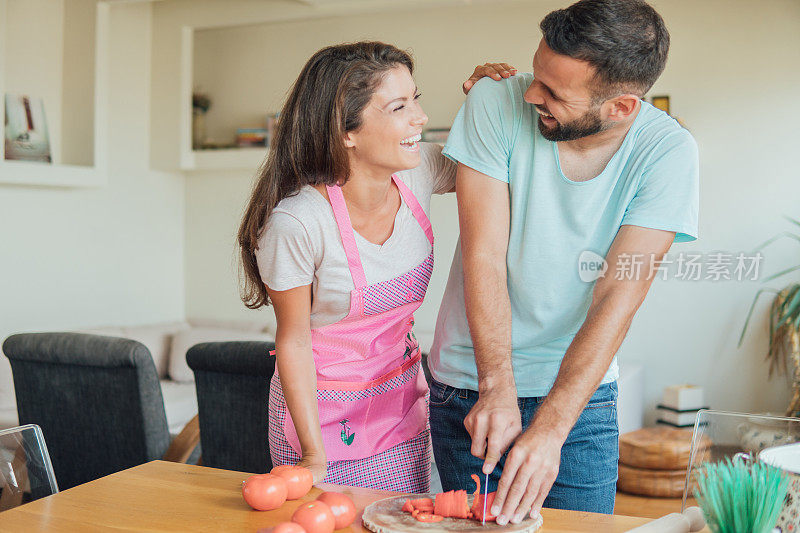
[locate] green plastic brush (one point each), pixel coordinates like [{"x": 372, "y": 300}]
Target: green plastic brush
[{"x": 740, "y": 497}]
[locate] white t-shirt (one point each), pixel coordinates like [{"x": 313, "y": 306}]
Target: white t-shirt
[{"x": 300, "y": 243}]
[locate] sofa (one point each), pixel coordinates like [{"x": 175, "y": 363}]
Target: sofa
[{"x": 168, "y": 343}]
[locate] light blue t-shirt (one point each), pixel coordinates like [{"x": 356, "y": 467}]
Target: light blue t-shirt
[{"x": 651, "y": 181}]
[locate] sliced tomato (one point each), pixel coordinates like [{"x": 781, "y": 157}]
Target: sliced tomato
[
  {"x": 451, "y": 504},
  {"x": 407, "y": 507},
  {"x": 442, "y": 503},
  {"x": 477, "y": 481},
  {"x": 422, "y": 502},
  {"x": 477, "y": 502},
  {"x": 426, "y": 517},
  {"x": 477, "y": 507},
  {"x": 461, "y": 507}
]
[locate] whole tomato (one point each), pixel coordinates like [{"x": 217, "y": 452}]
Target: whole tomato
[
  {"x": 315, "y": 517},
  {"x": 264, "y": 492},
  {"x": 342, "y": 507},
  {"x": 288, "y": 527},
  {"x": 298, "y": 479}
]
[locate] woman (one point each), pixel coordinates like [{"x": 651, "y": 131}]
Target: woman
[{"x": 342, "y": 247}]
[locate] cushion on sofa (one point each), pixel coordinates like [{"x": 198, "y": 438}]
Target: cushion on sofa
[
  {"x": 239, "y": 325},
  {"x": 107, "y": 331},
  {"x": 180, "y": 404},
  {"x": 157, "y": 338},
  {"x": 183, "y": 340}
]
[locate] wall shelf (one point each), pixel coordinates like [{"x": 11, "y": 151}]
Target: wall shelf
[
  {"x": 49, "y": 175},
  {"x": 58, "y": 174},
  {"x": 229, "y": 158}
]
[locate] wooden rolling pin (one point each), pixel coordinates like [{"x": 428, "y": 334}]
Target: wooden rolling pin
[{"x": 690, "y": 521}]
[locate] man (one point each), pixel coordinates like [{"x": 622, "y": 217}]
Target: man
[{"x": 552, "y": 165}]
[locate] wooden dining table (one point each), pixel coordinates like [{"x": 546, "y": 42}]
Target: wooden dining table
[{"x": 165, "y": 496}]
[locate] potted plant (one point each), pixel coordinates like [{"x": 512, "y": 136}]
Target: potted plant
[
  {"x": 201, "y": 103},
  {"x": 783, "y": 354}
]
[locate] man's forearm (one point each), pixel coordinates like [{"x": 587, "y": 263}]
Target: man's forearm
[
  {"x": 489, "y": 318},
  {"x": 585, "y": 363}
]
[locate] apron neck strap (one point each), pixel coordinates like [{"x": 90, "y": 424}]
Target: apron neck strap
[
  {"x": 416, "y": 209},
  {"x": 348, "y": 235}
]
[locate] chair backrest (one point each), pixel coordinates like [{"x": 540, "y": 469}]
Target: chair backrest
[
  {"x": 97, "y": 399},
  {"x": 26, "y": 473},
  {"x": 232, "y": 380}
]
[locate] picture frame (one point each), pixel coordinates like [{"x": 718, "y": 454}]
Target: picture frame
[
  {"x": 661, "y": 102},
  {"x": 26, "y": 134}
]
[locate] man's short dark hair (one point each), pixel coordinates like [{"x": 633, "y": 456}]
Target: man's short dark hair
[{"x": 626, "y": 42}]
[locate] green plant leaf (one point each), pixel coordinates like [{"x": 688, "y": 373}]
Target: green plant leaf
[
  {"x": 782, "y": 273},
  {"x": 750, "y": 312},
  {"x": 792, "y": 220},
  {"x": 791, "y": 305},
  {"x": 786, "y": 296},
  {"x": 782, "y": 235},
  {"x": 772, "y": 318},
  {"x": 349, "y": 440}
]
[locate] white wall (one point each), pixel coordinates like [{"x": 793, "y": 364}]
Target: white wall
[
  {"x": 126, "y": 254},
  {"x": 732, "y": 75},
  {"x": 36, "y": 69},
  {"x": 720, "y": 85},
  {"x": 77, "y": 135},
  {"x": 74, "y": 258}
]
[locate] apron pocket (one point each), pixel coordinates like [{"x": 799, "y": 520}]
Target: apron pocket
[{"x": 360, "y": 423}]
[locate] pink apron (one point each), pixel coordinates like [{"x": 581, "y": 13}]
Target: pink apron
[{"x": 371, "y": 391}]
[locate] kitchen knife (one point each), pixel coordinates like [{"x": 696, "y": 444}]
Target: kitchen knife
[{"x": 485, "y": 492}]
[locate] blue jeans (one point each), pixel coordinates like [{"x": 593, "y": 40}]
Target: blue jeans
[{"x": 587, "y": 477}]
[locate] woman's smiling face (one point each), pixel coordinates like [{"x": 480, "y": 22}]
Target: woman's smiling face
[{"x": 391, "y": 126}]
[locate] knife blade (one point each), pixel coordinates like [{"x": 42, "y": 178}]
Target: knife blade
[{"x": 485, "y": 492}]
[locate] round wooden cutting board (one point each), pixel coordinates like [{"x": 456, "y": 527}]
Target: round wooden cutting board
[{"x": 385, "y": 516}]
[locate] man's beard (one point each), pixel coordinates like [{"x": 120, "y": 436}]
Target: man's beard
[{"x": 589, "y": 124}]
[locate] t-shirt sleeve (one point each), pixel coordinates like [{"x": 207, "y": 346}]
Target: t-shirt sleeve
[
  {"x": 668, "y": 197},
  {"x": 285, "y": 255},
  {"x": 481, "y": 136},
  {"x": 440, "y": 170}
]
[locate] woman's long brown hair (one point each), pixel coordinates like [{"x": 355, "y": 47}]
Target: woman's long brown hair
[{"x": 325, "y": 102}]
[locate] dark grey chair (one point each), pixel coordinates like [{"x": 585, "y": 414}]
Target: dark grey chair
[
  {"x": 97, "y": 399},
  {"x": 232, "y": 381}
]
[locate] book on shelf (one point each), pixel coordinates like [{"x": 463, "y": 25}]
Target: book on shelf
[
  {"x": 26, "y": 135},
  {"x": 246, "y": 137}
]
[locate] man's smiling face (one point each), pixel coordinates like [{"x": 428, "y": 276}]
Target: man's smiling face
[{"x": 563, "y": 96}]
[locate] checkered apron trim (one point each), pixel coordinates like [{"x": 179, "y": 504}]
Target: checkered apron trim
[
  {"x": 408, "y": 288},
  {"x": 405, "y": 467}
]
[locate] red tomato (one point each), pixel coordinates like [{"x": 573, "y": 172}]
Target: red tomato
[
  {"x": 342, "y": 507},
  {"x": 452, "y": 504},
  {"x": 288, "y": 527},
  {"x": 264, "y": 492},
  {"x": 315, "y": 517},
  {"x": 298, "y": 479}
]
